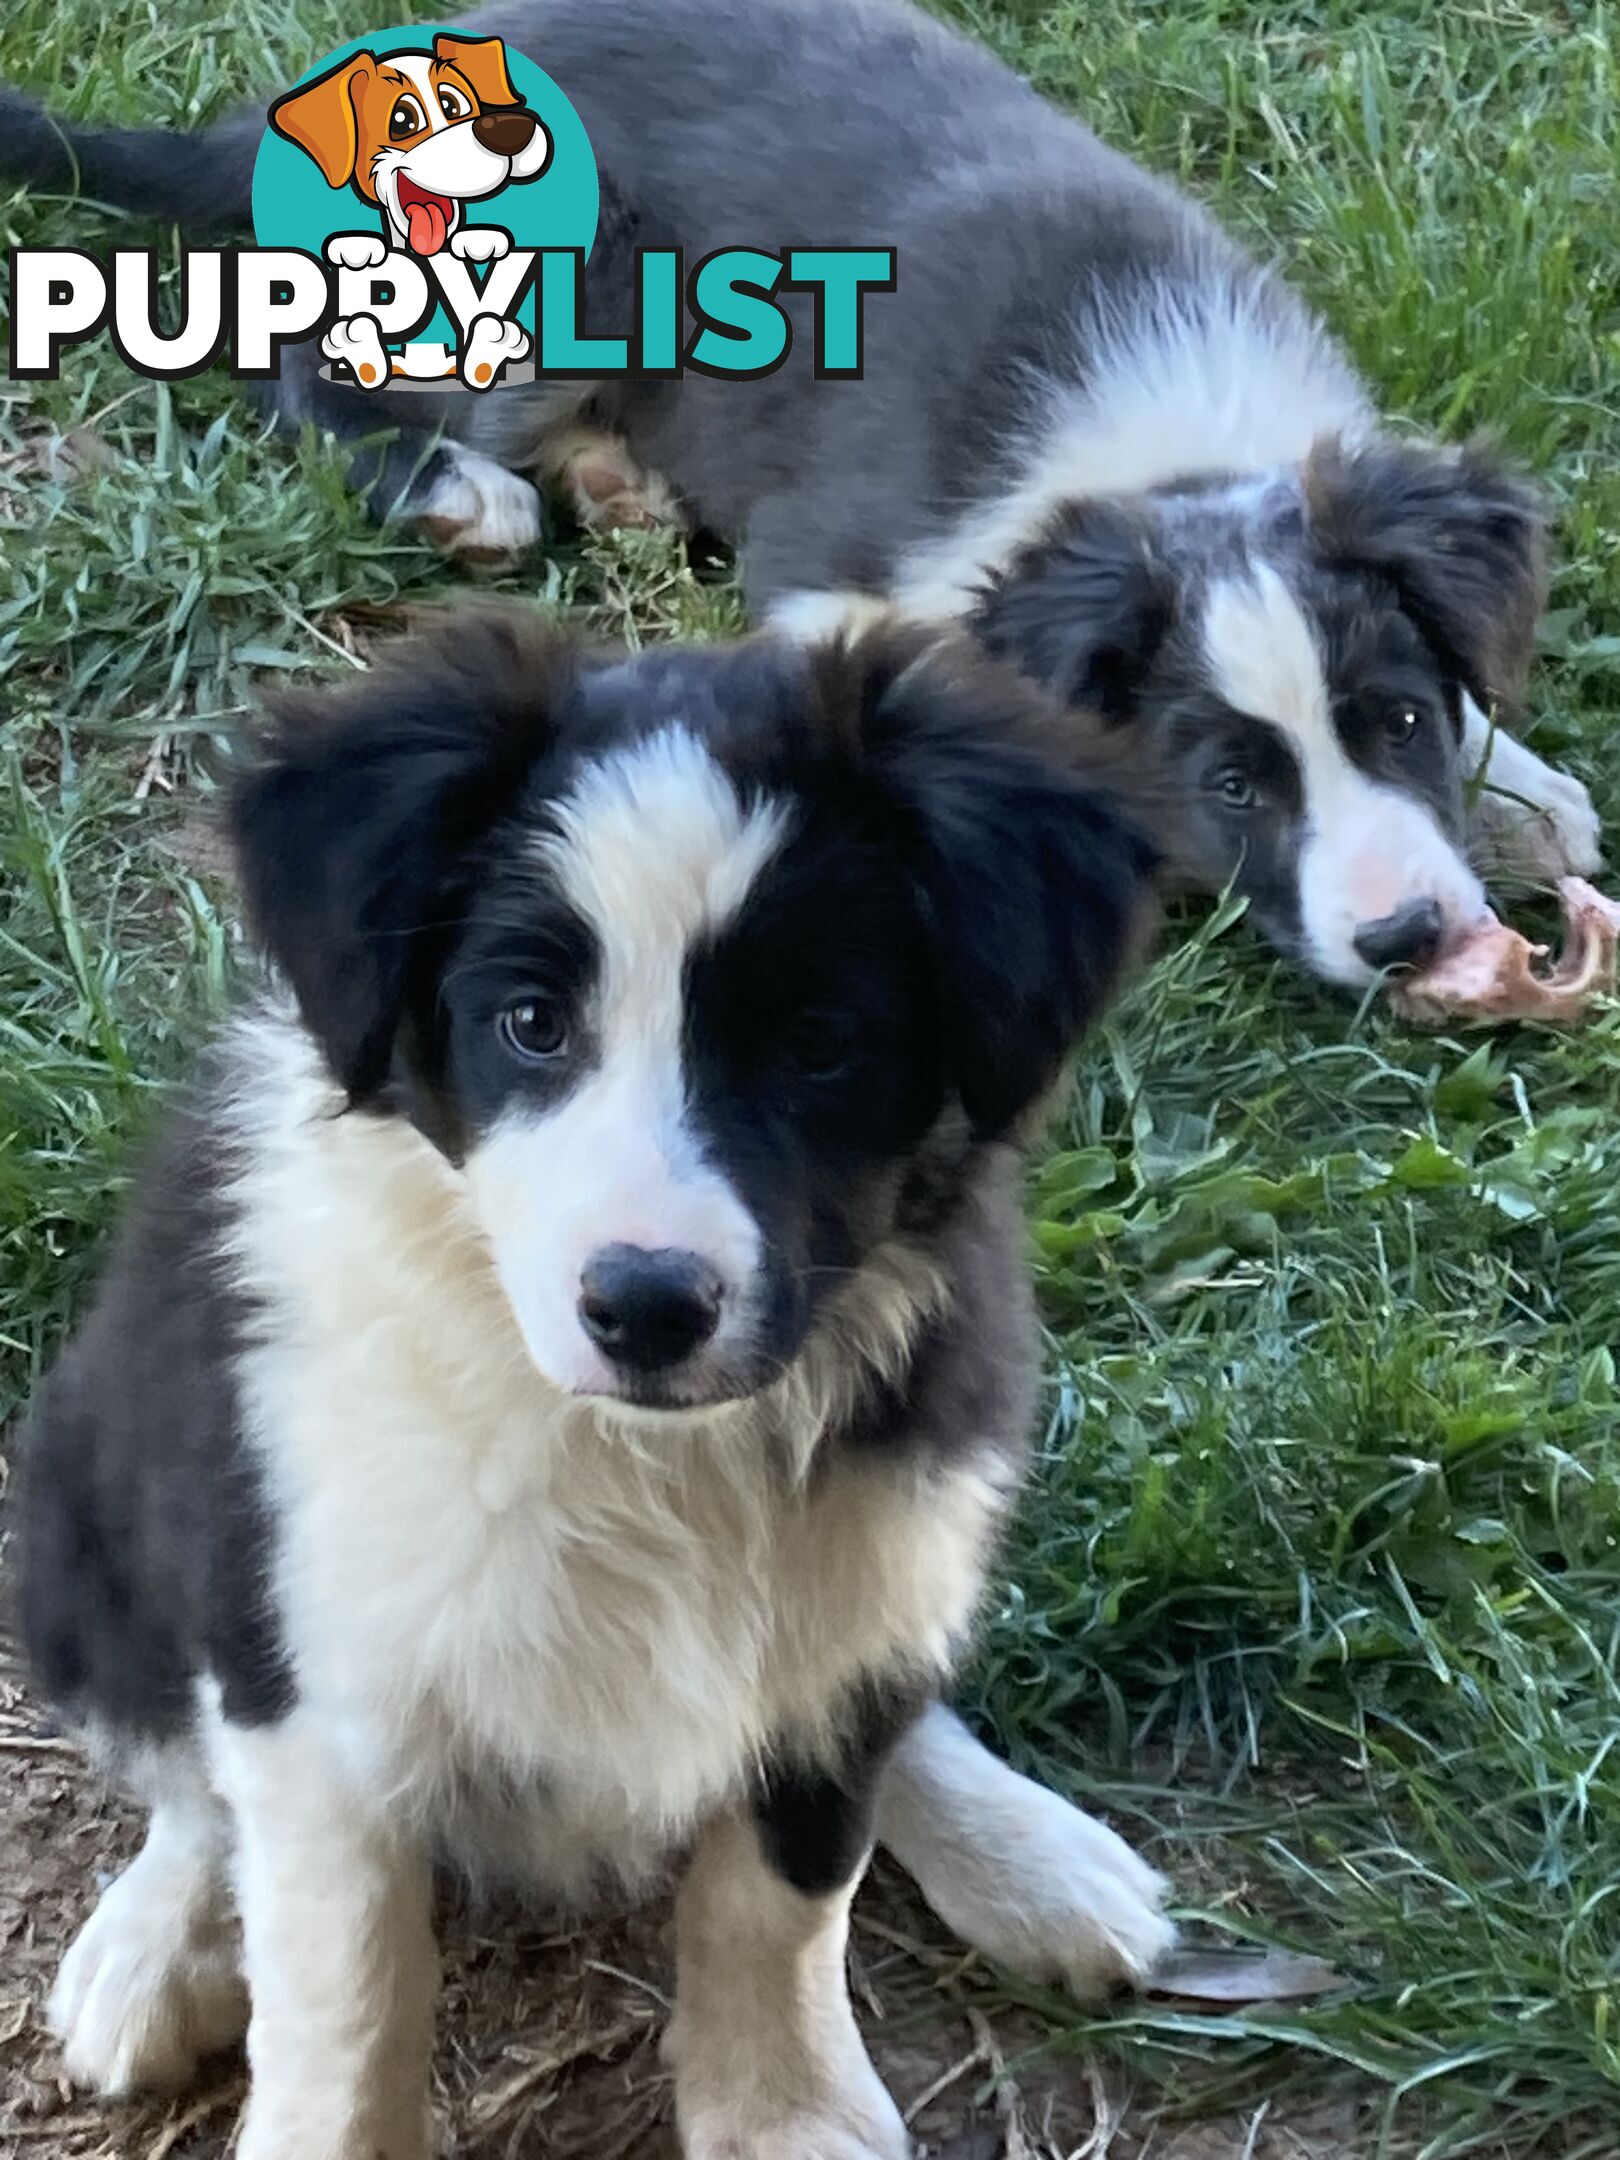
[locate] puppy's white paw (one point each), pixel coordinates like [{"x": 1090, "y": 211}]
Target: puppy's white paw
[
  {"x": 481, "y": 243},
  {"x": 1068, "y": 1903},
  {"x": 357, "y": 340},
  {"x": 1016, "y": 1871},
  {"x": 139, "y": 2001},
  {"x": 491, "y": 343},
  {"x": 477, "y": 509},
  {"x": 305, "y": 2131},
  {"x": 1549, "y": 834},
  {"x": 857, "y": 2121},
  {"x": 356, "y": 251}
]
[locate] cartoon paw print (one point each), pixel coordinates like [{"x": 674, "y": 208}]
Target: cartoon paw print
[
  {"x": 357, "y": 342},
  {"x": 356, "y": 250},
  {"x": 491, "y": 343},
  {"x": 481, "y": 243}
]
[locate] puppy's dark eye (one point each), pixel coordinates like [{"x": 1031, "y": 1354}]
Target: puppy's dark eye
[
  {"x": 821, "y": 1047},
  {"x": 407, "y": 118},
  {"x": 533, "y": 1030},
  {"x": 1403, "y": 724},
  {"x": 1234, "y": 787},
  {"x": 452, "y": 104}
]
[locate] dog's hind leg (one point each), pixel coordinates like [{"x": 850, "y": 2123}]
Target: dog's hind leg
[
  {"x": 1013, "y": 1869},
  {"x": 606, "y": 487},
  {"x": 152, "y": 1983}
]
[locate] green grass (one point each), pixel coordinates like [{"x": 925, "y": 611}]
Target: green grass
[{"x": 1321, "y": 1579}]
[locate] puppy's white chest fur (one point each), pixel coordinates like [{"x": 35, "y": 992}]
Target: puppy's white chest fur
[{"x": 505, "y": 1599}]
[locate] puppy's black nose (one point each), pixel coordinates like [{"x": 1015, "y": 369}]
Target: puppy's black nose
[
  {"x": 647, "y": 1310},
  {"x": 1409, "y": 938},
  {"x": 506, "y": 130}
]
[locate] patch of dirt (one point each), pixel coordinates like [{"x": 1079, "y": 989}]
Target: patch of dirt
[{"x": 548, "y": 2037}]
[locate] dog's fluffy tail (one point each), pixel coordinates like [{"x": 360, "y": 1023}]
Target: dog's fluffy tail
[{"x": 200, "y": 181}]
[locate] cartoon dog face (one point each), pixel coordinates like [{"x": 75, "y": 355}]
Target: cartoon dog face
[{"x": 417, "y": 134}]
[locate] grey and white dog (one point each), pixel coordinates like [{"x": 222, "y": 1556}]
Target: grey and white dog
[{"x": 1088, "y": 423}]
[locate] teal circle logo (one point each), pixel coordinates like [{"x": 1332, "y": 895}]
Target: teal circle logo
[{"x": 413, "y": 158}]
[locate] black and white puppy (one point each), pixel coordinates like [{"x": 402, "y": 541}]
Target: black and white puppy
[
  {"x": 563, "y": 1371},
  {"x": 1088, "y": 424}
]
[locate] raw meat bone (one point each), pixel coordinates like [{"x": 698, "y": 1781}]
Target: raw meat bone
[{"x": 1492, "y": 974}]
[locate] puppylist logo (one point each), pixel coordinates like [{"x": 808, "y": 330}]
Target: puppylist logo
[{"x": 424, "y": 206}]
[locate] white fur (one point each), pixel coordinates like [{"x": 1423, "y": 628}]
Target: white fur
[
  {"x": 1368, "y": 849},
  {"x": 1017, "y": 1872},
  {"x": 617, "y": 1161},
  {"x": 1529, "y": 819},
  {"x": 151, "y": 1984},
  {"x": 768, "y": 2062},
  {"x": 1187, "y": 382},
  {"x": 477, "y": 507},
  {"x": 338, "y": 1945}
]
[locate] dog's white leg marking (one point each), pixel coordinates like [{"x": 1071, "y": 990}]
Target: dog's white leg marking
[
  {"x": 1016, "y": 1871},
  {"x": 152, "y": 1983},
  {"x": 477, "y": 508},
  {"x": 608, "y": 489},
  {"x": 491, "y": 342},
  {"x": 357, "y": 340},
  {"x": 1528, "y": 817},
  {"x": 339, "y": 1951},
  {"x": 768, "y": 2062}
]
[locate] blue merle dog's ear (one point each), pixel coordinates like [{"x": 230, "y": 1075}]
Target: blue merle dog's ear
[
  {"x": 358, "y": 818},
  {"x": 1034, "y": 878},
  {"x": 1084, "y": 608},
  {"x": 1458, "y": 533}
]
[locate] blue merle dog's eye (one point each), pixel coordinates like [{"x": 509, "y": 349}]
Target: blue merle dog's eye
[
  {"x": 1403, "y": 723},
  {"x": 1234, "y": 787},
  {"x": 533, "y": 1030}
]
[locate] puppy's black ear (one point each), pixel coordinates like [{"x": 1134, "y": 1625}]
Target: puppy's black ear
[
  {"x": 1034, "y": 879},
  {"x": 1084, "y": 608},
  {"x": 355, "y": 827},
  {"x": 1458, "y": 533}
]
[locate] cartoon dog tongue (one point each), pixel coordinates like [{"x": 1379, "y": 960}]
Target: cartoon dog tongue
[{"x": 427, "y": 225}]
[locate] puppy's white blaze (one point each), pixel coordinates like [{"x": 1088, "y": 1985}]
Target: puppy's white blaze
[
  {"x": 656, "y": 852},
  {"x": 1367, "y": 848}
]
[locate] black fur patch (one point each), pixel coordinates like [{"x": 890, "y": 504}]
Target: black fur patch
[{"x": 145, "y": 1540}]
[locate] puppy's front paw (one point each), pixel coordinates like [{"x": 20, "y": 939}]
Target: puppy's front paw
[
  {"x": 357, "y": 342},
  {"x": 139, "y": 2003},
  {"x": 1016, "y": 1871},
  {"x": 491, "y": 343},
  {"x": 478, "y": 510},
  {"x": 1552, "y": 833},
  {"x": 1065, "y": 1901},
  {"x": 356, "y": 251},
  {"x": 481, "y": 243},
  {"x": 857, "y": 2122}
]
